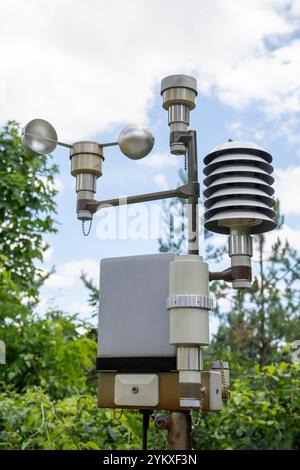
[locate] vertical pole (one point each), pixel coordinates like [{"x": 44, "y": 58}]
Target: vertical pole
[
  {"x": 179, "y": 423},
  {"x": 178, "y": 426},
  {"x": 179, "y": 431},
  {"x": 193, "y": 232},
  {"x": 179, "y": 434}
]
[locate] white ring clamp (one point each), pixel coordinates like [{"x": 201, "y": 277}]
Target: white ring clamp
[{"x": 192, "y": 301}]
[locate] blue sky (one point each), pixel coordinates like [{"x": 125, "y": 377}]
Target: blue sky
[{"x": 92, "y": 67}]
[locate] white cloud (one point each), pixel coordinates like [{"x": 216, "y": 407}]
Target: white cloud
[
  {"x": 64, "y": 290},
  {"x": 42, "y": 305},
  {"x": 271, "y": 78},
  {"x": 45, "y": 304},
  {"x": 284, "y": 233},
  {"x": 59, "y": 185},
  {"x": 83, "y": 309},
  {"x": 67, "y": 275},
  {"x": 160, "y": 181},
  {"x": 160, "y": 160},
  {"x": 289, "y": 128},
  {"x": 239, "y": 131},
  {"x": 287, "y": 189},
  {"x": 48, "y": 254},
  {"x": 88, "y": 66}
]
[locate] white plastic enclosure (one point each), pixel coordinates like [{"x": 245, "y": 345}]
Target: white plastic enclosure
[
  {"x": 136, "y": 390},
  {"x": 133, "y": 319}
]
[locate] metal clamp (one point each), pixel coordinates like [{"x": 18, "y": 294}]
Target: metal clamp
[{"x": 190, "y": 301}]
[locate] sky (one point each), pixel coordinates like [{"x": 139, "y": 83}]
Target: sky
[{"x": 91, "y": 67}]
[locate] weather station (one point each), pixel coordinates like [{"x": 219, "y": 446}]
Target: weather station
[{"x": 154, "y": 309}]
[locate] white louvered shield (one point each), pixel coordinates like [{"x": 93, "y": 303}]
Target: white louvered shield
[{"x": 239, "y": 188}]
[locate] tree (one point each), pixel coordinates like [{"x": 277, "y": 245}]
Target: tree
[
  {"x": 263, "y": 412},
  {"x": 27, "y": 206},
  {"x": 48, "y": 386},
  {"x": 267, "y": 316},
  {"x": 56, "y": 351},
  {"x": 93, "y": 293}
]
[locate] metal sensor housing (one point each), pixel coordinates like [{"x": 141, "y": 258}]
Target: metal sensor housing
[
  {"x": 179, "y": 94},
  {"x": 239, "y": 189},
  {"x": 86, "y": 165},
  {"x": 239, "y": 200}
]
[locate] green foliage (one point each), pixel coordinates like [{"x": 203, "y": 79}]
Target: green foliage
[
  {"x": 57, "y": 351},
  {"x": 93, "y": 298},
  {"x": 10, "y": 298},
  {"x": 48, "y": 386},
  {"x": 34, "y": 421},
  {"x": 264, "y": 412},
  {"x": 26, "y": 208},
  {"x": 267, "y": 315}
]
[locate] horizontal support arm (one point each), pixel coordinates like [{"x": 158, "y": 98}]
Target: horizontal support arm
[
  {"x": 232, "y": 274},
  {"x": 221, "y": 275},
  {"x": 186, "y": 191}
]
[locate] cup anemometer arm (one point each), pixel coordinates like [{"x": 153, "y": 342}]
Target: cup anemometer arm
[{"x": 186, "y": 191}]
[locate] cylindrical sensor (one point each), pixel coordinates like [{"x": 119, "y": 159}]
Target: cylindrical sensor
[
  {"x": 188, "y": 304},
  {"x": 179, "y": 95},
  {"x": 86, "y": 166},
  {"x": 240, "y": 251},
  {"x": 188, "y": 301}
]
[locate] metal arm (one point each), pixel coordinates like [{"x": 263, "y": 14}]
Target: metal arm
[
  {"x": 189, "y": 139},
  {"x": 187, "y": 191}
]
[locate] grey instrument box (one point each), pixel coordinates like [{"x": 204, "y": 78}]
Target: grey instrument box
[{"x": 133, "y": 320}]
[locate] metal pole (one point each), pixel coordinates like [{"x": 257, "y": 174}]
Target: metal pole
[
  {"x": 192, "y": 160},
  {"x": 179, "y": 433},
  {"x": 178, "y": 426}
]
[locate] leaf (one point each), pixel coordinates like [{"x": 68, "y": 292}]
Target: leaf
[{"x": 92, "y": 445}]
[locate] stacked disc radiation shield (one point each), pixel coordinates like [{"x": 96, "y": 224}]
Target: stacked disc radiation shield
[{"x": 239, "y": 189}]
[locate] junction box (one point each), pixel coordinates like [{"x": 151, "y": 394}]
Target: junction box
[{"x": 153, "y": 322}]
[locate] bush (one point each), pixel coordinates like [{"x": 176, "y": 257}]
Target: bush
[
  {"x": 34, "y": 421},
  {"x": 57, "y": 351},
  {"x": 264, "y": 412}
]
